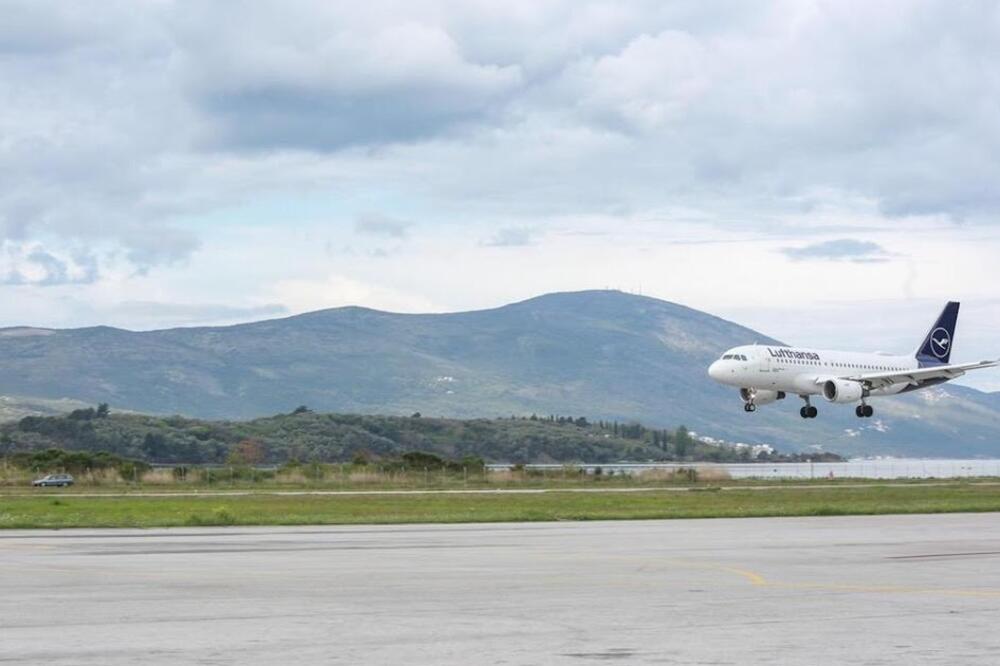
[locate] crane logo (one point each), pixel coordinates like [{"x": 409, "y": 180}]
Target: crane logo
[{"x": 940, "y": 342}]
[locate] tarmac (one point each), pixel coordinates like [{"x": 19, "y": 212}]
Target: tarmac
[{"x": 919, "y": 589}]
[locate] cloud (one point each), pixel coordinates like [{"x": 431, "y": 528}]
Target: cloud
[
  {"x": 377, "y": 224},
  {"x": 33, "y": 265},
  {"x": 152, "y": 311},
  {"x": 328, "y": 79},
  {"x": 843, "y": 249},
  {"x": 135, "y": 138},
  {"x": 330, "y": 291},
  {"x": 510, "y": 237},
  {"x": 650, "y": 83}
]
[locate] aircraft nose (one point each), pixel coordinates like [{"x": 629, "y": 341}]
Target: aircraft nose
[{"x": 715, "y": 370}]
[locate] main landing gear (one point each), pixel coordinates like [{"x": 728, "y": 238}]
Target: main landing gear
[
  {"x": 808, "y": 411},
  {"x": 864, "y": 411}
]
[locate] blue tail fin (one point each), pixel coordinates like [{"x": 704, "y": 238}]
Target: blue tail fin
[{"x": 936, "y": 348}]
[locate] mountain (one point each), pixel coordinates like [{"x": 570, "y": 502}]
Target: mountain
[{"x": 602, "y": 354}]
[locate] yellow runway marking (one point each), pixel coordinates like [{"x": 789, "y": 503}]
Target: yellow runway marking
[
  {"x": 754, "y": 578},
  {"x": 892, "y": 589},
  {"x": 757, "y": 580}
]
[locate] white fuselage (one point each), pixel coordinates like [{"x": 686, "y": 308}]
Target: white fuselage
[{"x": 802, "y": 371}]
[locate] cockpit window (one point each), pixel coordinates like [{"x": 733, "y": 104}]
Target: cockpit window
[
  {"x": 726, "y": 357},
  {"x": 742, "y": 357}
]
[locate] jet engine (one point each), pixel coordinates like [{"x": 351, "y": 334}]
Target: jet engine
[
  {"x": 843, "y": 390},
  {"x": 760, "y": 397}
]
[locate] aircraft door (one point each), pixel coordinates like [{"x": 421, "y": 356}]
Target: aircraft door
[{"x": 764, "y": 366}]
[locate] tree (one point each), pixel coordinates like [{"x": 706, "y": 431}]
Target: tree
[
  {"x": 248, "y": 452},
  {"x": 82, "y": 414},
  {"x": 301, "y": 409},
  {"x": 102, "y": 411},
  {"x": 154, "y": 446},
  {"x": 682, "y": 441}
]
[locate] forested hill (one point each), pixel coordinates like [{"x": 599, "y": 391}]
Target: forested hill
[{"x": 308, "y": 436}]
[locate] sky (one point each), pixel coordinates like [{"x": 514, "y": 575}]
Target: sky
[{"x": 824, "y": 172}]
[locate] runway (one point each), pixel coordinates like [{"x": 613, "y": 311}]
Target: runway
[{"x": 859, "y": 590}]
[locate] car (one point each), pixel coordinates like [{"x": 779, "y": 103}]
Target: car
[{"x": 58, "y": 480}]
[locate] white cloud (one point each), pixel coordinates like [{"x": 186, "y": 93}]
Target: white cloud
[
  {"x": 32, "y": 264},
  {"x": 840, "y": 249},
  {"x": 378, "y": 224},
  {"x": 170, "y": 314},
  {"x": 510, "y": 237},
  {"x": 652, "y": 82},
  {"x": 331, "y": 291}
]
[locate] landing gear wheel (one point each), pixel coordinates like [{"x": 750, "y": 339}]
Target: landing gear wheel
[
  {"x": 804, "y": 412},
  {"x": 859, "y": 411},
  {"x": 749, "y": 407},
  {"x": 868, "y": 411},
  {"x": 811, "y": 412}
]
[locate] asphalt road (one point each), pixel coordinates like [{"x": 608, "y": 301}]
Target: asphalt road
[{"x": 858, "y": 590}]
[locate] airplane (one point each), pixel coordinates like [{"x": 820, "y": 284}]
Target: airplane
[{"x": 767, "y": 373}]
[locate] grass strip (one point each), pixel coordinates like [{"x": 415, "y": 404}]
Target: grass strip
[{"x": 264, "y": 509}]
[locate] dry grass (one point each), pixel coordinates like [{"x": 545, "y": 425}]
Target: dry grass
[
  {"x": 159, "y": 477},
  {"x": 293, "y": 477},
  {"x": 660, "y": 475},
  {"x": 365, "y": 477},
  {"x": 505, "y": 476},
  {"x": 705, "y": 474},
  {"x": 709, "y": 474}
]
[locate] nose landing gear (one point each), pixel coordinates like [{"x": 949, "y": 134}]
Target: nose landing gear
[
  {"x": 863, "y": 411},
  {"x": 749, "y": 407}
]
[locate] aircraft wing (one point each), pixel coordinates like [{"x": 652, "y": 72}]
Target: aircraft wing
[{"x": 875, "y": 380}]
